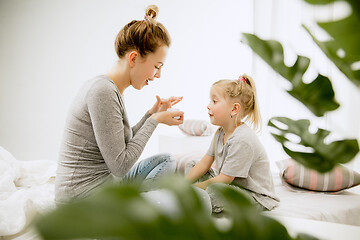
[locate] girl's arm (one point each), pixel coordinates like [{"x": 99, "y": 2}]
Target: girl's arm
[
  {"x": 221, "y": 178},
  {"x": 200, "y": 168}
]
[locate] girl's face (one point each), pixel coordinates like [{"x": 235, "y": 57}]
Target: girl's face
[
  {"x": 146, "y": 69},
  {"x": 219, "y": 109}
]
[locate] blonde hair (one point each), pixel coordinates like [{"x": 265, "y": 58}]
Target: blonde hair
[
  {"x": 242, "y": 91},
  {"x": 144, "y": 36}
]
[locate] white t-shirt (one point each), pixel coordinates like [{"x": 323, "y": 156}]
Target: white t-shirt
[{"x": 244, "y": 157}]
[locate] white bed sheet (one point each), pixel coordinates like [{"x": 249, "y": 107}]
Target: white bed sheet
[
  {"x": 26, "y": 189},
  {"x": 341, "y": 208}
]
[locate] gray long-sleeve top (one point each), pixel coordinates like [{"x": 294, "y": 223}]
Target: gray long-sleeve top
[{"x": 98, "y": 142}]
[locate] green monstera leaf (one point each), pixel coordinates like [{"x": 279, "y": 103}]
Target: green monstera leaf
[
  {"x": 319, "y": 155},
  {"x": 122, "y": 212},
  {"x": 320, "y": 2},
  {"x": 343, "y": 49},
  {"x": 318, "y": 96},
  {"x": 355, "y": 4}
]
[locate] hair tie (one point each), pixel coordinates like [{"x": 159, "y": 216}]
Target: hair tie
[{"x": 241, "y": 79}]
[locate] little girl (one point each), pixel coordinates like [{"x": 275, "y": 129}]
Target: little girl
[{"x": 236, "y": 154}]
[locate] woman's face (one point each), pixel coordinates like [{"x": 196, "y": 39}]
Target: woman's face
[
  {"x": 219, "y": 109},
  {"x": 147, "y": 68}
]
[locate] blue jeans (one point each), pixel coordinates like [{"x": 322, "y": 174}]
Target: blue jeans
[{"x": 151, "y": 168}]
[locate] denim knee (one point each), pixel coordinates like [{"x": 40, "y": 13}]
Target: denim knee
[
  {"x": 170, "y": 160},
  {"x": 163, "y": 156},
  {"x": 167, "y": 157}
]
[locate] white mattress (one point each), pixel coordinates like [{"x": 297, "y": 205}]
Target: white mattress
[
  {"x": 341, "y": 208},
  {"x": 26, "y": 188}
]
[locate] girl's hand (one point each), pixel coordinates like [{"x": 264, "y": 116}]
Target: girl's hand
[
  {"x": 162, "y": 105},
  {"x": 221, "y": 178},
  {"x": 201, "y": 185},
  {"x": 168, "y": 117}
]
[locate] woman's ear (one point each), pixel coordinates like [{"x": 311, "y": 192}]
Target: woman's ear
[
  {"x": 132, "y": 57},
  {"x": 235, "y": 109}
]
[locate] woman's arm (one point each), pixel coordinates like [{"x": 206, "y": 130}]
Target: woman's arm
[
  {"x": 118, "y": 150},
  {"x": 160, "y": 106},
  {"x": 200, "y": 168},
  {"x": 221, "y": 178},
  {"x": 136, "y": 127}
]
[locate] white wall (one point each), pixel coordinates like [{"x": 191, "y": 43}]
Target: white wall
[{"x": 49, "y": 48}]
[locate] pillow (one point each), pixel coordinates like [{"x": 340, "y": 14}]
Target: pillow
[
  {"x": 193, "y": 127},
  {"x": 297, "y": 175},
  {"x": 184, "y": 158}
]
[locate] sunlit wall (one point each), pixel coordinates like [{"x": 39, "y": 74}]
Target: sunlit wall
[{"x": 49, "y": 48}]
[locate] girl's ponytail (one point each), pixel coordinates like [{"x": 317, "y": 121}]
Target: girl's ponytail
[{"x": 251, "y": 106}]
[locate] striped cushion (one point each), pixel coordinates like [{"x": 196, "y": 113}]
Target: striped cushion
[
  {"x": 195, "y": 127},
  {"x": 184, "y": 158},
  {"x": 338, "y": 179}
]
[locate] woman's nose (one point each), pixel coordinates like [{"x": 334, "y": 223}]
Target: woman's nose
[
  {"x": 208, "y": 108},
  {"x": 158, "y": 73}
]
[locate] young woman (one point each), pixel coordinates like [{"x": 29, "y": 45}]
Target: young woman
[{"x": 98, "y": 144}]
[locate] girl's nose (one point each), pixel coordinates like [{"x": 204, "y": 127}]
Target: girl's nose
[{"x": 208, "y": 108}]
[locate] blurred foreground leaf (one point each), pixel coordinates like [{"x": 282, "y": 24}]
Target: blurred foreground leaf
[
  {"x": 322, "y": 157},
  {"x": 121, "y": 212},
  {"x": 343, "y": 49}
]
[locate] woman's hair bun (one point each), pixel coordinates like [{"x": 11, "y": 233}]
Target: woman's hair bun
[{"x": 152, "y": 11}]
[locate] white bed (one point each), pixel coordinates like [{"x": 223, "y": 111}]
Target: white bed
[
  {"x": 27, "y": 188},
  {"x": 343, "y": 208}
]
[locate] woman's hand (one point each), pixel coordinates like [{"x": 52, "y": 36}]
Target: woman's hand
[
  {"x": 167, "y": 118},
  {"x": 162, "y": 105}
]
